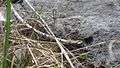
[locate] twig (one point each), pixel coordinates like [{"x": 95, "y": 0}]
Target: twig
[
  {"x": 44, "y": 34},
  {"x": 32, "y": 55},
  {"x": 12, "y": 63},
  {"x": 58, "y": 42},
  {"x": 20, "y": 18},
  {"x": 50, "y": 36},
  {"x": 110, "y": 50},
  {"x": 89, "y": 46}
]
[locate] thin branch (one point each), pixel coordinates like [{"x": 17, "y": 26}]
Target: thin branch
[
  {"x": 44, "y": 34},
  {"x": 32, "y": 55},
  {"x": 89, "y": 46},
  {"x": 50, "y": 31},
  {"x": 110, "y": 50},
  {"x": 20, "y": 18}
]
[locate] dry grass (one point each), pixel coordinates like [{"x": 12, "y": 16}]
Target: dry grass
[{"x": 34, "y": 45}]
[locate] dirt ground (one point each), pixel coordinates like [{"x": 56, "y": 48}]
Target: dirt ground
[{"x": 79, "y": 20}]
